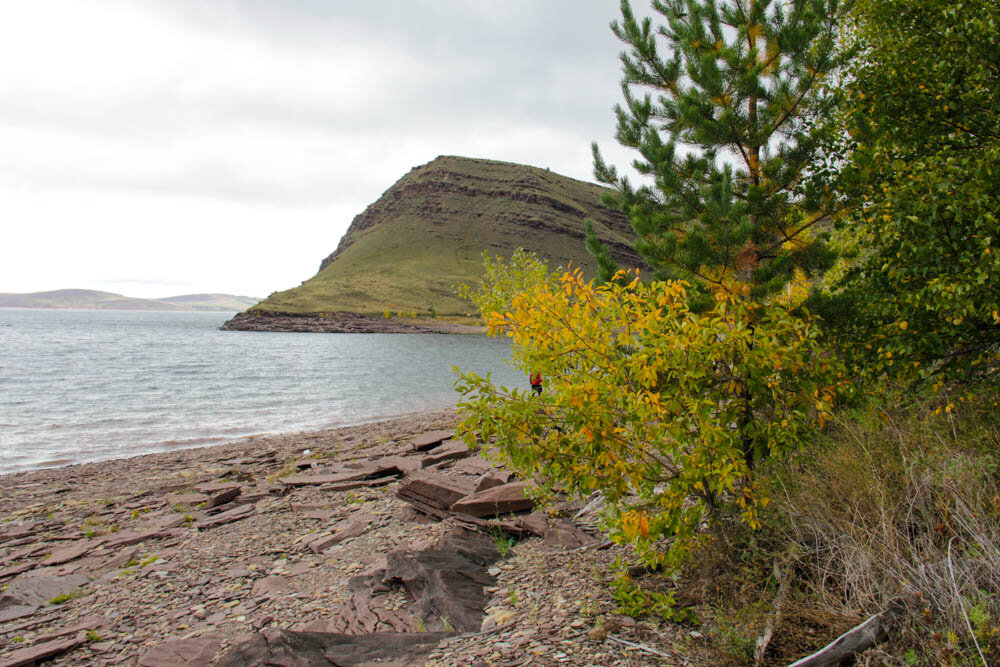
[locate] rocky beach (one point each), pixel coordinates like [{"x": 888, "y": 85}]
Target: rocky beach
[
  {"x": 342, "y": 322},
  {"x": 382, "y": 543}
]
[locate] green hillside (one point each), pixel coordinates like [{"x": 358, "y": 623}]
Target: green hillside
[{"x": 425, "y": 234}]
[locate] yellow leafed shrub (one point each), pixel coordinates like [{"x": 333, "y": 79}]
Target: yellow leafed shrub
[{"x": 665, "y": 411}]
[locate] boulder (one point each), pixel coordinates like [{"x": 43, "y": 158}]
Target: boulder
[
  {"x": 120, "y": 559},
  {"x": 312, "y": 480},
  {"x": 429, "y": 440},
  {"x": 497, "y": 500},
  {"x": 474, "y": 465}
]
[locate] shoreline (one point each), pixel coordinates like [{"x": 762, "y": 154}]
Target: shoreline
[{"x": 220, "y": 441}]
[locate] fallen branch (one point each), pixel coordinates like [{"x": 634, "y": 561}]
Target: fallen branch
[
  {"x": 491, "y": 631},
  {"x": 860, "y": 638},
  {"x": 640, "y": 647},
  {"x": 600, "y": 546},
  {"x": 775, "y": 620}
]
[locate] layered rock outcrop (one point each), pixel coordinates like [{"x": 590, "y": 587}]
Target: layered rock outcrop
[{"x": 397, "y": 267}]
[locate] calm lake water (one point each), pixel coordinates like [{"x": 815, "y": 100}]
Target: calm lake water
[{"x": 86, "y": 385}]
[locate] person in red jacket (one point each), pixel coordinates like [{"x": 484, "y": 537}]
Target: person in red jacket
[{"x": 536, "y": 382}]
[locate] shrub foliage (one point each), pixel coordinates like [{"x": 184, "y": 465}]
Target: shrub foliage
[{"x": 664, "y": 410}]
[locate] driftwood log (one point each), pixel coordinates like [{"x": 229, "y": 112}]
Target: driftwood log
[{"x": 859, "y": 638}]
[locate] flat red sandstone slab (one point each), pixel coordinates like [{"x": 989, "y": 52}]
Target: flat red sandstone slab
[
  {"x": 352, "y": 527},
  {"x": 497, "y": 500},
  {"x": 91, "y": 622},
  {"x": 124, "y": 539},
  {"x": 235, "y": 514},
  {"x": 182, "y": 652},
  {"x": 215, "y": 487},
  {"x": 328, "y": 478},
  {"x": 449, "y": 450},
  {"x": 430, "y": 439},
  {"x": 39, "y": 652},
  {"x": 186, "y": 499},
  {"x": 72, "y": 552},
  {"x": 433, "y": 489}
]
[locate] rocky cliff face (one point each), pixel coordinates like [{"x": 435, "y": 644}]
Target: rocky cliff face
[{"x": 406, "y": 252}]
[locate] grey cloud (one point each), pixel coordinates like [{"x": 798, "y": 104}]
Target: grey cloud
[{"x": 483, "y": 67}]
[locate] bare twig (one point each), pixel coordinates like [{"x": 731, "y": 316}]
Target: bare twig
[
  {"x": 641, "y": 647},
  {"x": 772, "y": 623}
]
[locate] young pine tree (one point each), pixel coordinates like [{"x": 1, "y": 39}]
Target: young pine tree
[
  {"x": 667, "y": 395},
  {"x": 723, "y": 104}
]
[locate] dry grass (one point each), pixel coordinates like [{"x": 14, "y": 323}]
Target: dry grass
[
  {"x": 893, "y": 502},
  {"x": 904, "y": 502}
]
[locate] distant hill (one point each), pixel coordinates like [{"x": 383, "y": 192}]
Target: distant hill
[
  {"x": 211, "y": 301},
  {"x": 94, "y": 299},
  {"x": 426, "y": 234}
]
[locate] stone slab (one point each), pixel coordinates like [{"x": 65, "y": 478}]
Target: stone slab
[
  {"x": 191, "y": 652},
  {"x": 32, "y": 655},
  {"x": 430, "y": 439},
  {"x": 496, "y": 501}
]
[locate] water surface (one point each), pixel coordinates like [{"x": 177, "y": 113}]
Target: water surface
[{"x": 86, "y": 385}]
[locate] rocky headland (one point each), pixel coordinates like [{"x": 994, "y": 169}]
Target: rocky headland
[
  {"x": 384, "y": 543},
  {"x": 407, "y": 252}
]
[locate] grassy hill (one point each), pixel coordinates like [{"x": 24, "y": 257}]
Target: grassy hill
[
  {"x": 426, "y": 234},
  {"x": 95, "y": 299}
]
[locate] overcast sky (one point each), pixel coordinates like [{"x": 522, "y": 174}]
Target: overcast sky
[{"x": 162, "y": 147}]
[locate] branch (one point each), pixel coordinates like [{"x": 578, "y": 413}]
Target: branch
[{"x": 857, "y": 639}]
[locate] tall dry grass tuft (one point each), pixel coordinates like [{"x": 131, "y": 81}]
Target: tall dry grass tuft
[{"x": 902, "y": 501}]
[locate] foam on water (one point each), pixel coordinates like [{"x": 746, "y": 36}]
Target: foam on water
[{"x": 80, "y": 386}]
